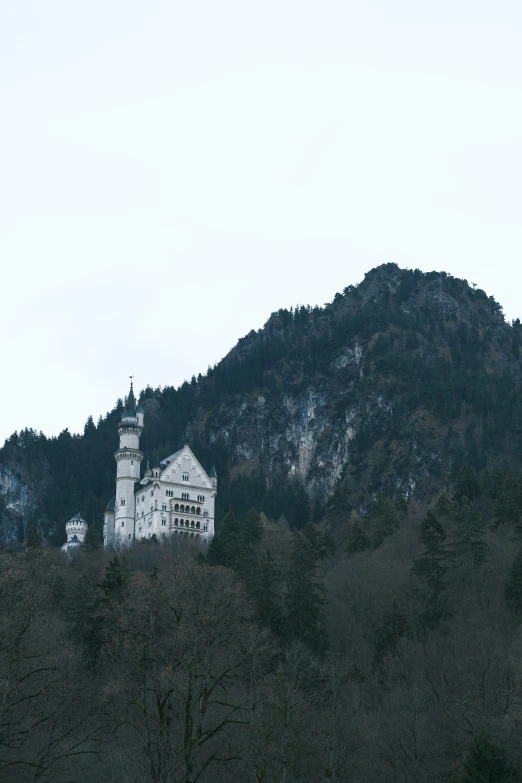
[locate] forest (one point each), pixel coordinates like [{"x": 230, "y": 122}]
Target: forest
[
  {"x": 357, "y": 616},
  {"x": 389, "y": 651}
]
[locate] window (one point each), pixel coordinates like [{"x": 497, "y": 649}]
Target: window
[
  {"x": 185, "y": 477},
  {"x": 130, "y": 535},
  {"x": 123, "y": 524},
  {"x": 198, "y": 524},
  {"x": 122, "y": 502},
  {"x": 205, "y": 513},
  {"x": 142, "y": 498},
  {"x": 192, "y": 510},
  {"x": 176, "y": 521},
  {"x": 164, "y": 507},
  {"x": 205, "y": 527},
  {"x": 151, "y": 492},
  {"x": 164, "y": 522},
  {"x": 176, "y": 507},
  {"x": 198, "y": 510}
]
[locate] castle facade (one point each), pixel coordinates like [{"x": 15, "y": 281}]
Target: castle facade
[{"x": 175, "y": 497}]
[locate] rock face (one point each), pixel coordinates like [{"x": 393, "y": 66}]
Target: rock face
[
  {"x": 388, "y": 389},
  {"x": 16, "y": 506}
]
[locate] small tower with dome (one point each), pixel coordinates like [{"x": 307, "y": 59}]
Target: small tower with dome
[{"x": 76, "y": 530}]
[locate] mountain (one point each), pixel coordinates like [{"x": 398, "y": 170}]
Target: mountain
[{"x": 387, "y": 390}]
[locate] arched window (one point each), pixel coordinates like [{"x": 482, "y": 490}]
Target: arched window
[
  {"x": 192, "y": 523},
  {"x": 142, "y": 498},
  {"x": 176, "y": 521},
  {"x": 198, "y": 524},
  {"x": 185, "y": 477},
  {"x": 176, "y": 507},
  {"x": 192, "y": 510},
  {"x": 198, "y": 510},
  {"x": 122, "y": 502}
]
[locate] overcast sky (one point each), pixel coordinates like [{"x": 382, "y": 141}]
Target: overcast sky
[{"x": 172, "y": 172}]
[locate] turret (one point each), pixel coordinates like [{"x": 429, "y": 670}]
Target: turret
[
  {"x": 76, "y": 529},
  {"x": 213, "y": 476},
  {"x": 128, "y": 461}
]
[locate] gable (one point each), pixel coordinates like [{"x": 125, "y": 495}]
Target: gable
[{"x": 184, "y": 461}]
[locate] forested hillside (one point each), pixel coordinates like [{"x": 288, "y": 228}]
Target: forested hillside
[
  {"x": 358, "y": 615},
  {"x": 389, "y": 389}
]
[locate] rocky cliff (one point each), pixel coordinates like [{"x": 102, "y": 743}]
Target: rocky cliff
[{"x": 388, "y": 389}]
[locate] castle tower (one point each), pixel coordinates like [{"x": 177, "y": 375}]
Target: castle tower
[
  {"x": 76, "y": 529},
  {"x": 128, "y": 469}
]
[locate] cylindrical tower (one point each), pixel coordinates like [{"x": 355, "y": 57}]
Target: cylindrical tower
[{"x": 128, "y": 470}]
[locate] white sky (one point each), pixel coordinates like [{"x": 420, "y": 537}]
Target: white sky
[{"x": 172, "y": 172}]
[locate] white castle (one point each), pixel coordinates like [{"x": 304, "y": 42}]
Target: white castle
[
  {"x": 176, "y": 497},
  {"x": 76, "y": 530}
]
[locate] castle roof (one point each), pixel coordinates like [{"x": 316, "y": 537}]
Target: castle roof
[
  {"x": 213, "y": 473},
  {"x": 111, "y": 505},
  {"x": 130, "y": 404},
  {"x": 168, "y": 460},
  {"x": 77, "y": 518}
]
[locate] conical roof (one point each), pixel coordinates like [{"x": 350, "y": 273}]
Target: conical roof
[
  {"x": 77, "y": 518},
  {"x": 130, "y": 404}
]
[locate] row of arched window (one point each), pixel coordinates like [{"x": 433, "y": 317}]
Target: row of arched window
[
  {"x": 187, "y": 509},
  {"x": 187, "y": 523}
]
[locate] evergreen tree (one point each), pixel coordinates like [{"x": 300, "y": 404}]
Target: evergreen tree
[
  {"x": 393, "y": 628},
  {"x": 385, "y": 518},
  {"x": 81, "y": 605},
  {"x": 224, "y": 548},
  {"x": 91, "y": 542},
  {"x": 266, "y": 594},
  {"x": 513, "y": 586},
  {"x": 430, "y": 567},
  {"x": 116, "y": 577},
  {"x": 305, "y": 620},
  {"x": 487, "y": 762},
  {"x": 443, "y": 507},
  {"x": 467, "y": 487},
  {"x": 358, "y": 541},
  {"x": 508, "y": 503},
  {"x": 469, "y": 543},
  {"x": 33, "y": 540}
]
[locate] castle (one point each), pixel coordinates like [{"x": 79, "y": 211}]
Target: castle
[
  {"x": 176, "y": 496},
  {"x": 76, "y": 530}
]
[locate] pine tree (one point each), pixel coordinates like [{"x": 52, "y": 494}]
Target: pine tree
[
  {"x": 225, "y": 547},
  {"x": 467, "y": 487},
  {"x": 358, "y": 541},
  {"x": 385, "y": 518},
  {"x": 469, "y": 543},
  {"x": 393, "y": 628},
  {"x": 266, "y": 595},
  {"x": 116, "y": 577},
  {"x": 487, "y": 762},
  {"x": 513, "y": 586},
  {"x": 305, "y": 620},
  {"x": 430, "y": 567},
  {"x": 442, "y": 507},
  {"x": 33, "y": 540},
  {"x": 91, "y": 542}
]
